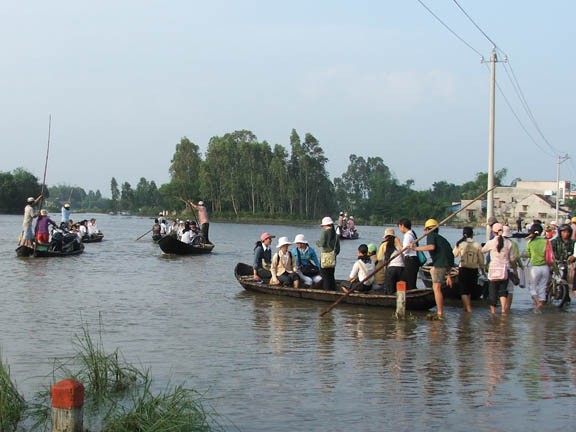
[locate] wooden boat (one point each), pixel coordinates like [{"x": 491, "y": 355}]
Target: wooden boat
[
  {"x": 452, "y": 292},
  {"x": 353, "y": 236},
  {"x": 94, "y": 238},
  {"x": 419, "y": 299},
  {"x": 44, "y": 251},
  {"x": 520, "y": 234},
  {"x": 171, "y": 245}
]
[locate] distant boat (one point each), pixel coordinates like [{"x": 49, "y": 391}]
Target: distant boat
[
  {"x": 171, "y": 245},
  {"x": 94, "y": 238}
]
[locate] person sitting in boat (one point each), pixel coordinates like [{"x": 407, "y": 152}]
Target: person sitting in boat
[
  {"x": 283, "y": 268},
  {"x": 195, "y": 229},
  {"x": 42, "y": 226},
  {"x": 83, "y": 229},
  {"x": 307, "y": 261},
  {"x": 92, "y": 228},
  {"x": 66, "y": 212},
  {"x": 389, "y": 252},
  {"x": 187, "y": 234},
  {"x": 378, "y": 276},
  {"x": 262, "y": 258},
  {"x": 180, "y": 229},
  {"x": 362, "y": 270}
]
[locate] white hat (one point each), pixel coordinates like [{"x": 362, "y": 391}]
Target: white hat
[
  {"x": 552, "y": 222},
  {"x": 506, "y": 231},
  {"x": 30, "y": 199},
  {"x": 200, "y": 202},
  {"x": 327, "y": 220},
  {"x": 388, "y": 232},
  {"x": 283, "y": 241},
  {"x": 300, "y": 239}
]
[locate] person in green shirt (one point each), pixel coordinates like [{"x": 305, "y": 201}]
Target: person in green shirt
[
  {"x": 442, "y": 261},
  {"x": 539, "y": 271}
]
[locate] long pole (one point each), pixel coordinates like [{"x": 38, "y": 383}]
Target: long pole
[
  {"x": 490, "y": 186},
  {"x": 394, "y": 255},
  {"x": 560, "y": 160},
  {"x": 46, "y": 162}
]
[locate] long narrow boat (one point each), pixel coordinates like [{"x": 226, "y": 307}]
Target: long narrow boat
[
  {"x": 94, "y": 238},
  {"x": 171, "y": 245},
  {"x": 44, "y": 251},
  {"x": 419, "y": 299}
]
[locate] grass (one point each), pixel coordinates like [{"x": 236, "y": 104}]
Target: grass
[
  {"x": 119, "y": 397},
  {"x": 12, "y": 403}
]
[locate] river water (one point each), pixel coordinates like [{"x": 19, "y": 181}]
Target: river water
[{"x": 266, "y": 363}]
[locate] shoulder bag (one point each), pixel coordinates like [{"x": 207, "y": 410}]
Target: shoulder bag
[
  {"x": 328, "y": 259},
  {"x": 308, "y": 269}
]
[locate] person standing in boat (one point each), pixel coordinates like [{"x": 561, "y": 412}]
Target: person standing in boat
[
  {"x": 471, "y": 263},
  {"x": 65, "y": 216},
  {"x": 42, "y": 225},
  {"x": 389, "y": 252},
  {"x": 329, "y": 242},
  {"x": 283, "y": 268},
  {"x": 411, "y": 263},
  {"x": 442, "y": 262},
  {"x": 27, "y": 235},
  {"x": 202, "y": 218},
  {"x": 262, "y": 258},
  {"x": 306, "y": 257}
]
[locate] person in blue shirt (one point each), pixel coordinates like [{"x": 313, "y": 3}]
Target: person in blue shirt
[{"x": 307, "y": 261}]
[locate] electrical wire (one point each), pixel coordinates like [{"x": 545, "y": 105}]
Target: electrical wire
[
  {"x": 475, "y": 25},
  {"x": 449, "y": 29}
]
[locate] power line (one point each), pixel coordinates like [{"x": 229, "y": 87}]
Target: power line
[
  {"x": 450, "y": 30},
  {"x": 475, "y": 25}
]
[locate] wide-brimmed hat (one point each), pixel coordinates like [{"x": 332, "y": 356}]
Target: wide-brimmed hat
[
  {"x": 300, "y": 239},
  {"x": 67, "y": 205},
  {"x": 30, "y": 200},
  {"x": 497, "y": 227},
  {"x": 492, "y": 220},
  {"x": 283, "y": 241},
  {"x": 388, "y": 232},
  {"x": 326, "y": 220},
  {"x": 506, "y": 231},
  {"x": 44, "y": 212},
  {"x": 265, "y": 236}
]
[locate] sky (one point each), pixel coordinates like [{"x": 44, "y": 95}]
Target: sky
[{"x": 123, "y": 81}]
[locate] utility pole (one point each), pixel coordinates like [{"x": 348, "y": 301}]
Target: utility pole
[
  {"x": 560, "y": 160},
  {"x": 490, "y": 197}
]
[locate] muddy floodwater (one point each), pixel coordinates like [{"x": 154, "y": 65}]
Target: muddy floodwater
[{"x": 267, "y": 363}]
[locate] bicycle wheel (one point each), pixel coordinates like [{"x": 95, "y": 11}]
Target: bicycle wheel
[{"x": 558, "y": 294}]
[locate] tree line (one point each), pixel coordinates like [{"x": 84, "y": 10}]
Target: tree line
[{"x": 240, "y": 177}]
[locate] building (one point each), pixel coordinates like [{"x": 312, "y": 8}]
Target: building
[{"x": 528, "y": 200}]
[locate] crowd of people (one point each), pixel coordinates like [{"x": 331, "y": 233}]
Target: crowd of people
[
  {"x": 380, "y": 268},
  {"x": 186, "y": 231},
  {"x": 45, "y": 231}
]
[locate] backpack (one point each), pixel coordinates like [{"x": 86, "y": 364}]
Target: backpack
[{"x": 469, "y": 256}]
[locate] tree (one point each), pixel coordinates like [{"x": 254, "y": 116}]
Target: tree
[{"x": 185, "y": 169}]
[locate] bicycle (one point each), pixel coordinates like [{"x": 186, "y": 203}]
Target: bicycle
[{"x": 558, "y": 289}]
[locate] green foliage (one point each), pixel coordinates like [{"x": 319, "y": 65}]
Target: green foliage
[
  {"x": 15, "y": 187},
  {"x": 12, "y": 404}
]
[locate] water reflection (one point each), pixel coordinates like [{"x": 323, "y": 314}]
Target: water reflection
[{"x": 271, "y": 363}]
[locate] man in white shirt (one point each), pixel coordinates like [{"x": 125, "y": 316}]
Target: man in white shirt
[{"x": 411, "y": 264}]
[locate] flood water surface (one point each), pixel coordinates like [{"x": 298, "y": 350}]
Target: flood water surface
[{"x": 268, "y": 363}]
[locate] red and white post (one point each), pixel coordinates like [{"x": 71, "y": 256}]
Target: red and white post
[
  {"x": 67, "y": 402},
  {"x": 400, "y": 300}
]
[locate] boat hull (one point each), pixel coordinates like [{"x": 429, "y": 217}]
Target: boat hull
[{"x": 171, "y": 245}]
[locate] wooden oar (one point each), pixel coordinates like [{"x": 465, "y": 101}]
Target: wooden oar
[
  {"x": 143, "y": 234},
  {"x": 385, "y": 263},
  {"x": 44, "y": 178}
]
